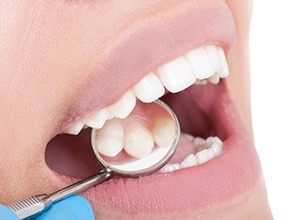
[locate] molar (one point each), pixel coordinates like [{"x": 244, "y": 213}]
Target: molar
[
  {"x": 163, "y": 131},
  {"x": 138, "y": 141},
  {"x": 109, "y": 139}
]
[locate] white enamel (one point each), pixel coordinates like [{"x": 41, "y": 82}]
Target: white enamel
[
  {"x": 215, "y": 79},
  {"x": 109, "y": 139},
  {"x": 97, "y": 119},
  {"x": 208, "y": 149},
  {"x": 149, "y": 88},
  {"x": 123, "y": 107},
  {"x": 189, "y": 161},
  {"x": 176, "y": 75},
  {"x": 214, "y": 139},
  {"x": 204, "y": 156},
  {"x": 201, "y": 63},
  {"x": 187, "y": 136},
  {"x": 214, "y": 56},
  {"x": 224, "y": 71},
  {"x": 199, "y": 142},
  {"x": 163, "y": 131},
  {"x": 74, "y": 129},
  {"x": 206, "y": 64},
  {"x": 138, "y": 141},
  {"x": 217, "y": 149},
  {"x": 170, "y": 168}
]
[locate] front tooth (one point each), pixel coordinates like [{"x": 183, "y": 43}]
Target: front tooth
[
  {"x": 170, "y": 168},
  {"x": 163, "y": 131},
  {"x": 75, "y": 128},
  {"x": 214, "y": 56},
  {"x": 97, "y": 119},
  {"x": 176, "y": 75},
  {"x": 189, "y": 161},
  {"x": 138, "y": 141},
  {"x": 149, "y": 88},
  {"x": 201, "y": 63},
  {"x": 224, "y": 71},
  {"x": 109, "y": 139},
  {"x": 123, "y": 107}
]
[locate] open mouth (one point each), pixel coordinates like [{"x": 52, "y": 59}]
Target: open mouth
[{"x": 215, "y": 161}]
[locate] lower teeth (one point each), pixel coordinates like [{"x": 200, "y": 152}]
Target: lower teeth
[{"x": 207, "y": 149}]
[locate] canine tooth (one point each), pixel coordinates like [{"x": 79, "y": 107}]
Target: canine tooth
[
  {"x": 149, "y": 88},
  {"x": 123, "y": 107},
  {"x": 189, "y": 161},
  {"x": 176, "y": 75},
  {"x": 109, "y": 139},
  {"x": 201, "y": 63},
  {"x": 97, "y": 119},
  {"x": 224, "y": 71},
  {"x": 215, "y": 79},
  {"x": 163, "y": 131},
  {"x": 214, "y": 56},
  {"x": 75, "y": 128},
  {"x": 170, "y": 168},
  {"x": 138, "y": 141}
]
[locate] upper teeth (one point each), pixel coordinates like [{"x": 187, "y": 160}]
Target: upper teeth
[{"x": 202, "y": 64}]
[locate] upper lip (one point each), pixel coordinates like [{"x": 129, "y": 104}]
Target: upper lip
[{"x": 141, "y": 48}]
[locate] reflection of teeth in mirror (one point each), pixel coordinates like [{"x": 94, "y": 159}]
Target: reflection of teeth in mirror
[
  {"x": 163, "y": 131},
  {"x": 208, "y": 149},
  {"x": 138, "y": 141},
  {"x": 109, "y": 139},
  {"x": 200, "y": 65}
]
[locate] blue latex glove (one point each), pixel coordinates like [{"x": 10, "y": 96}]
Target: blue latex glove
[{"x": 72, "y": 208}]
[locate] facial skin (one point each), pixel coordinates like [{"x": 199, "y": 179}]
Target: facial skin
[{"x": 42, "y": 65}]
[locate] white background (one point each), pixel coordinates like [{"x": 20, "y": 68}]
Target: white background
[{"x": 275, "y": 69}]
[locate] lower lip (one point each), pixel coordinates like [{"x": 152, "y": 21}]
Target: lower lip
[{"x": 232, "y": 173}]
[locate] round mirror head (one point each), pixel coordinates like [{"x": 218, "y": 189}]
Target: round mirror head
[{"x": 144, "y": 142}]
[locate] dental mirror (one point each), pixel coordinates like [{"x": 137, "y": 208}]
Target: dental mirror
[
  {"x": 123, "y": 164},
  {"x": 129, "y": 166}
]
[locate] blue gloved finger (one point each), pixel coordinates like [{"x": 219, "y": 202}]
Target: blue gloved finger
[
  {"x": 7, "y": 214},
  {"x": 72, "y": 208}
]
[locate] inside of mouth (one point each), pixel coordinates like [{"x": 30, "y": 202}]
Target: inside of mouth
[{"x": 73, "y": 155}]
